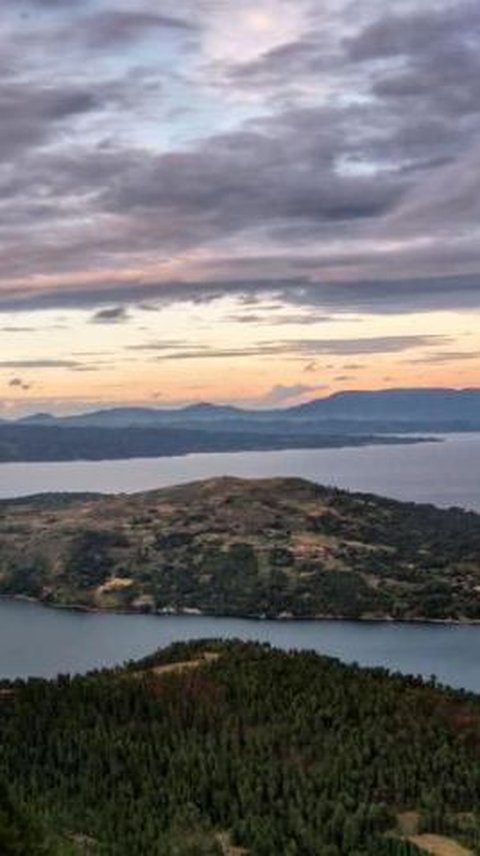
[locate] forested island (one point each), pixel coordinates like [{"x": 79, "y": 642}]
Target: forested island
[
  {"x": 235, "y": 749},
  {"x": 274, "y": 548},
  {"x": 39, "y": 442}
]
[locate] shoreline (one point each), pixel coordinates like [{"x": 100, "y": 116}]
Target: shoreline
[{"x": 283, "y": 618}]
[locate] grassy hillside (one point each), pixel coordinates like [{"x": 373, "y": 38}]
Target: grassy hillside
[
  {"x": 228, "y": 546},
  {"x": 213, "y": 748}
]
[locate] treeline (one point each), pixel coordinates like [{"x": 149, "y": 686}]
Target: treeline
[{"x": 273, "y": 752}]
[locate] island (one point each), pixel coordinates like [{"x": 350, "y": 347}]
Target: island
[
  {"x": 56, "y": 442},
  {"x": 277, "y": 548}
]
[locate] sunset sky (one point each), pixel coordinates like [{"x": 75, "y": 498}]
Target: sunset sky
[{"x": 252, "y": 202}]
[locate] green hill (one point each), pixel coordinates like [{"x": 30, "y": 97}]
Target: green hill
[
  {"x": 279, "y": 547},
  {"x": 211, "y": 748}
]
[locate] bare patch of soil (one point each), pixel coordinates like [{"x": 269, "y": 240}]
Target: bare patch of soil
[{"x": 437, "y": 845}]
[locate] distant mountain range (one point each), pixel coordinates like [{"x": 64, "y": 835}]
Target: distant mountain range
[
  {"x": 343, "y": 419},
  {"x": 390, "y": 410},
  {"x": 405, "y": 405}
]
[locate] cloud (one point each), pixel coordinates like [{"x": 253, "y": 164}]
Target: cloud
[
  {"x": 386, "y": 295},
  {"x": 418, "y": 33},
  {"x": 38, "y": 364},
  {"x": 307, "y": 347},
  {"x": 279, "y": 320},
  {"x": 87, "y": 368},
  {"x": 334, "y": 164},
  {"x": 19, "y": 383},
  {"x": 47, "y": 4},
  {"x": 33, "y": 113},
  {"x": 215, "y": 189},
  {"x": 110, "y": 315},
  {"x": 283, "y": 395},
  {"x": 445, "y": 357},
  {"x": 390, "y": 296},
  {"x": 447, "y": 203},
  {"x": 117, "y": 29},
  {"x": 165, "y": 345}
]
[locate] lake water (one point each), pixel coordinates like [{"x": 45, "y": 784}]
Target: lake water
[
  {"x": 445, "y": 473},
  {"x": 35, "y": 640}
]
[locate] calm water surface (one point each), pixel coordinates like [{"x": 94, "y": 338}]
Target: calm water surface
[
  {"x": 446, "y": 473},
  {"x": 35, "y": 640}
]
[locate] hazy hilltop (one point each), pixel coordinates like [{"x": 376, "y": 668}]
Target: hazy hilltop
[
  {"x": 395, "y": 407},
  {"x": 407, "y": 405},
  {"x": 273, "y": 547}
]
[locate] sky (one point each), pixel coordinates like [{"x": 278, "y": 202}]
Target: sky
[{"x": 232, "y": 201}]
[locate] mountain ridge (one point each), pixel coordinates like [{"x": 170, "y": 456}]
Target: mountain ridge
[{"x": 405, "y": 405}]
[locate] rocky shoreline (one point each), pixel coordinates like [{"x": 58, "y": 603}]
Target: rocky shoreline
[{"x": 282, "y": 617}]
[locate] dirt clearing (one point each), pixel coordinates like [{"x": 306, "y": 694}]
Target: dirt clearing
[
  {"x": 208, "y": 657},
  {"x": 437, "y": 845}
]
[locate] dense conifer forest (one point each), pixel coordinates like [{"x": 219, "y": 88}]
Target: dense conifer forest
[
  {"x": 275, "y": 547},
  {"x": 211, "y": 748}
]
